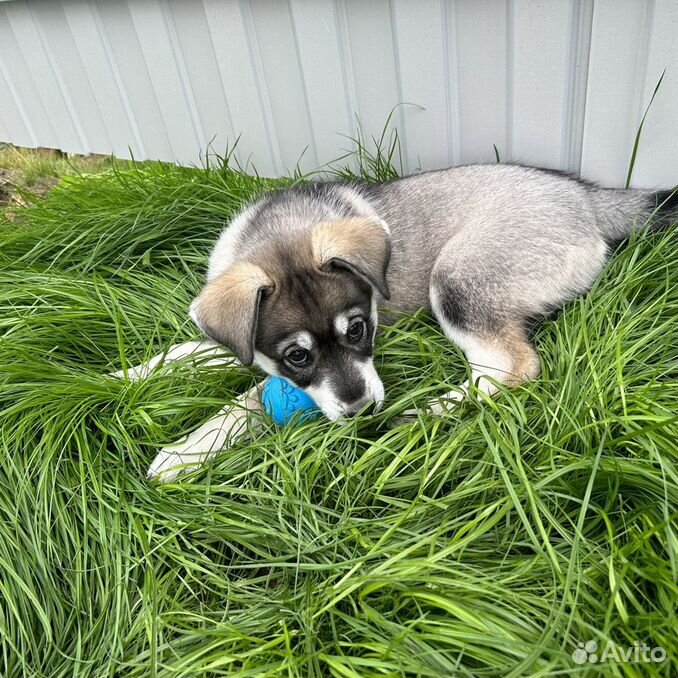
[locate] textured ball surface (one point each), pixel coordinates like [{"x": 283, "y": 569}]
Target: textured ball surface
[{"x": 283, "y": 401}]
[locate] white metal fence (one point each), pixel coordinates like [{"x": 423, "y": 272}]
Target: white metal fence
[{"x": 560, "y": 83}]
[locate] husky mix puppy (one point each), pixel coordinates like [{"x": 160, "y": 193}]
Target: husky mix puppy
[{"x": 297, "y": 281}]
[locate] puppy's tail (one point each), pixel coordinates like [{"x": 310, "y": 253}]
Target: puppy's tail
[{"x": 622, "y": 211}]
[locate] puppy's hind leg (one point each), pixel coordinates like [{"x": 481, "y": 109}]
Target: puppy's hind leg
[
  {"x": 492, "y": 338},
  {"x": 502, "y": 357}
]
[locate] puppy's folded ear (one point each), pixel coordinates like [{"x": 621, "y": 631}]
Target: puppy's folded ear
[
  {"x": 362, "y": 245},
  {"x": 228, "y": 307}
]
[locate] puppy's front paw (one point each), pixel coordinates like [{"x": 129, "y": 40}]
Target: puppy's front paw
[
  {"x": 441, "y": 405},
  {"x": 197, "y": 447},
  {"x": 183, "y": 456},
  {"x": 214, "y": 435},
  {"x": 136, "y": 373},
  {"x": 446, "y": 403},
  {"x": 168, "y": 464}
]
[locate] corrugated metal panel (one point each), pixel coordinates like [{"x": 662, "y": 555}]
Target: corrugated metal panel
[{"x": 561, "y": 83}]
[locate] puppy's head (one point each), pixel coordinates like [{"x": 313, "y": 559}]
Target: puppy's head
[{"x": 306, "y": 311}]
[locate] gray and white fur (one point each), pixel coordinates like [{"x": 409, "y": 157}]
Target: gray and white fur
[{"x": 294, "y": 282}]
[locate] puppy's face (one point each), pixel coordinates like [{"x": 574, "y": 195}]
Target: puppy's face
[
  {"x": 317, "y": 330},
  {"x": 306, "y": 311}
]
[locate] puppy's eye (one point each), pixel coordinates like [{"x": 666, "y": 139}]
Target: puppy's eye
[
  {"x": 298, "y": 357},
  {"x": 356, "y": 330}
]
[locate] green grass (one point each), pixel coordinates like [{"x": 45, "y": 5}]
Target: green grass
[{"x": 485, "y": 543}]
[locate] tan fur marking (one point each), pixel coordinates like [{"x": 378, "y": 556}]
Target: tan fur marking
[
  {"x": 235, "y": 287},
  {"x": 361, "y": 242},
  {"x": 349, "y": 238},
  {"x": 226, "y": 308},
  {"x": 524, "y": 359}
]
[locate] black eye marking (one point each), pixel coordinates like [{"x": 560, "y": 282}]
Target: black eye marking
[
  {"x": 356, "y": 330},
  {"x": 298, "y": 357}
]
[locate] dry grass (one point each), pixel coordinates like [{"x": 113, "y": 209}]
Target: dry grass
[{"x": 28, "y": 172}]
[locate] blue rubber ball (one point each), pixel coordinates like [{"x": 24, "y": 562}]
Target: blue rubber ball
[{"x": 283, "y": 401}]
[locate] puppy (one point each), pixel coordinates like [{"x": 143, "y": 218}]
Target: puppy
[{"x": 295, "y": 282}]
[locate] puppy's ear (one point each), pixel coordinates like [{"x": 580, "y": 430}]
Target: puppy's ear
[
  {"x": 228, "y": 307},
  {"x": 361, "y": 245}
]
